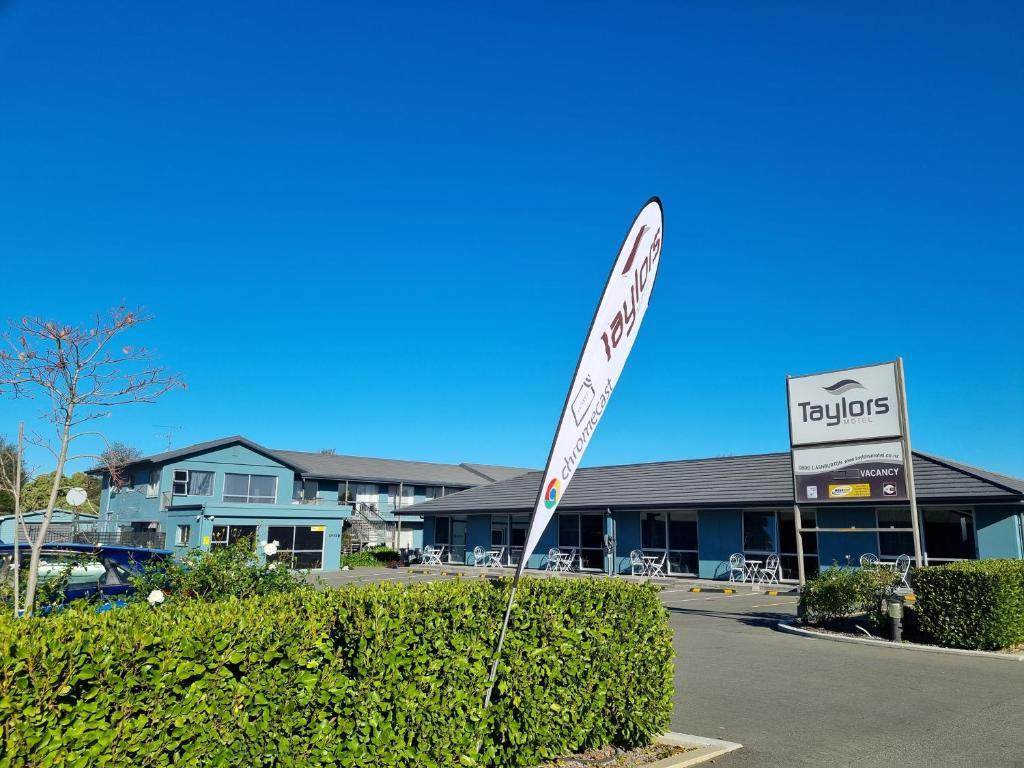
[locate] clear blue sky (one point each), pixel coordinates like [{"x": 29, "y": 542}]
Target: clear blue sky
[{"x": 382, "y": 228}]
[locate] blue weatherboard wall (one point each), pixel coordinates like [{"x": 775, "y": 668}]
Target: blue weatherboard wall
[
  {"x": 627, "y": 538},
  {"x": 719, "y": 534},
  {"x": 998, "y": 530},
  {"x": 478, "y": 533},
  {"x": 836, "y": 546}
]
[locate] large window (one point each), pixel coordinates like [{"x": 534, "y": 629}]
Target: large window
[
  {"x": 226, "y": 535},
  {"x": 250, "y": 489},
  {"x": 760, "y": 535},
  {"x": 153, "y": 486},
  {"x": 673, "y": 534},
  {"x": 193, "y": 482},
  {"x": 585, "y": 534},
  {"x": 892, "y": 545},
  {"x": 787, "y": 543},
  {"x": 299, "y": 546},
  {"x": 949, "y": 535},
  {"x": 450, "y": 532}
]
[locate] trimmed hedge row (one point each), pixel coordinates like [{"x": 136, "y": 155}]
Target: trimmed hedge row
[
  {"x": 363, "y": 676},
  {"x": 976, "y": 604},
  {"x": 837, "y": 593}
]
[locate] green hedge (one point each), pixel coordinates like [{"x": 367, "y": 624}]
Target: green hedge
[
  {"x": 362, "y": 676},
  {"x": 840, "y": 592},
  {"x": 370, "y": 558},
  {"x": 974, "y": 604}
]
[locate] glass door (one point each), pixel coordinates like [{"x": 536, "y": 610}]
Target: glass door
[
  {"x": 760, "y": 535},
  {"x": 787, "y": 543},
  {"x": 592, "y": 542},
  {"x": 457, "y": 552}
]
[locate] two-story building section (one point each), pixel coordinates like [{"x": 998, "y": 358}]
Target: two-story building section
[{"x": 312, "y": 504}]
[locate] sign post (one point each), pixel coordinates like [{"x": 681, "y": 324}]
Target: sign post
[
  {"x": 613, "y": 330},
  {"x": 849, "y": 440}
]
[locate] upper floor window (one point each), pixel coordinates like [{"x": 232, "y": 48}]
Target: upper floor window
[
  {"x": 250, "y": 489},
  {"x": 193, "y": 482},
  {"x": 153, "y": 487}
]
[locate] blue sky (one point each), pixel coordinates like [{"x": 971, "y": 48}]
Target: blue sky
[{"x": 384, "y": 229}]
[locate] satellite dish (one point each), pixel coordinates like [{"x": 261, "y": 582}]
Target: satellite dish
[{"x": 76, "y": 497}]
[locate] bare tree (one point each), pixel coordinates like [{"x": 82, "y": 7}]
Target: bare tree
[
  {"x": 11, "y": 475},
  {"x": 115, "y": 457},
  {"x": 82, "y": 376}
]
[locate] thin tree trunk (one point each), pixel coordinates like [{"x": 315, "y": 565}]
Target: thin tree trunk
[
  {"x": 37, "y": 544},
  {"x": 17, "y": 517}
]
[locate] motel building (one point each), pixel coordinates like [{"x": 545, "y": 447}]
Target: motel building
[{"x": 699, "y": 512}]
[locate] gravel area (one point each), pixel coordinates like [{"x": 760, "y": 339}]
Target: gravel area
[{"x": 613, "y": 757}]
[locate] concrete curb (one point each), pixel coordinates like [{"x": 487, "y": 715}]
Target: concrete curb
[
  {"x": 707, "y": 749},
  {"x": 802, "y": 632}
]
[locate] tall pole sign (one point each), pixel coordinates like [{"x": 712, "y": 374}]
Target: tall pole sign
[
  {"x": 849, "y": 440},
  {"x": 613, "y": 330}
]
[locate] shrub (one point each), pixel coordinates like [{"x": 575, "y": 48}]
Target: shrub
[
  {"x": 370, "y": 558},
  {"x": 233, "y": 571},
  {"x": 380, "y": 676},
  {"x": 975, "y": 604},
  {"x": 840, "y": 592}
]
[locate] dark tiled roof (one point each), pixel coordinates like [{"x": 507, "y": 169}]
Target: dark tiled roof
[
  {"x": 334, "y": 466},
  {"x": 764, "y": 479},
  {"x": 359, "y": 468}
]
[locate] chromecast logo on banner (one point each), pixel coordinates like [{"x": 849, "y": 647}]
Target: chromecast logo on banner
[{"x": 551, "y": 493}]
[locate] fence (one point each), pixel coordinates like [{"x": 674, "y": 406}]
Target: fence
[{"x": 66, "y": 533}]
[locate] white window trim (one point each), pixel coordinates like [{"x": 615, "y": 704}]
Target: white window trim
[{"x": 188, "y": 482}]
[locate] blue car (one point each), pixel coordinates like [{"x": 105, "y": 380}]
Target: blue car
[{"x": 100, "y": 570}]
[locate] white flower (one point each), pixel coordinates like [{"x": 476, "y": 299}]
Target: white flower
[
  {"x": 272, "y": 566},
  {"x": 344, "y": 567},
  {"x": 155, "y": 597},
  {"x": 270, "y": 548}
]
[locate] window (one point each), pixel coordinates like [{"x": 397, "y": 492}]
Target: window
[
  {"x": 652, "y": 531},
  {"x": 432, "y": 492},
  {"x": 226, "y": 535},
  {"x": 787, "y": 543},
  {"x": 675, "y": 535},
  {"x": 442, "y": 531},
  {"x": 585, "y": 534},
  {"x": 759, "y": 533},
  {"x": 153, "y": 487},
  {"x": 182, "y": 535},
  {"x": 299, "y": 546},
  {"x": 129, "y": 480},
  {"x": 250, "y": 489},
  {"x": 192, "y": 482},
  {"x": 948, "y": 534},
  {"x": 892, "y": 545}
]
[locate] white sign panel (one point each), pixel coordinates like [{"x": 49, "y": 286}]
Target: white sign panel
[
  {"x": 864, "y": 472},
  {"x": 855, "y": 404},
  {"x": 614, "y": 329}
]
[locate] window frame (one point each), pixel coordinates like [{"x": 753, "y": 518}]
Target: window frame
[
  {"x": 182, "y": 540},
  {"x": 249, "y": 498}
]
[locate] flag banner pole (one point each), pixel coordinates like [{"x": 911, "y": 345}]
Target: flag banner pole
[{"x": 613, "y": 330}]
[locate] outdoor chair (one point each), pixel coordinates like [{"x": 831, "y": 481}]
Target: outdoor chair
[
  {"x": 657, "y": 567},
  {"x": 432, "y": 555},
  {"x": 636, "y": 563},
  {"x": 868, "y": 561},
  {"x": 770, "y": 573},
  {"x": 494, "y": 558},
  {"x": 903, "y": 569},
  {"x": 554, "y": 560},
  {"x": 737, "y": 567},
  {"x": 479, "y": 556}
]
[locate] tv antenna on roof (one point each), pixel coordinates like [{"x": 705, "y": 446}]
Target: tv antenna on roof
[{"x": 169, "y": 434}]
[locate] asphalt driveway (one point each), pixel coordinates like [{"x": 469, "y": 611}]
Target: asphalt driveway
[{"x": 793, "y": 701}]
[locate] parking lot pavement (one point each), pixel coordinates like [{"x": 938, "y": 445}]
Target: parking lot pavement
[{"x": 794, "y": 701}]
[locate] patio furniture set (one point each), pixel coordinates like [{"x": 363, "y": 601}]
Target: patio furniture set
[
  {"x": 901, "y": 566},
  {"x": 743, "y": 569}
]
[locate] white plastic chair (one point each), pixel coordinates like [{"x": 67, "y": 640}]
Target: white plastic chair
[
  {"x": 494, "y": 558},
  {"x": 657, "y": 567},
  {"x": 770, "y": 573},
  {"x": 903, "y": 569},
  {"x": 737, "y": 567},
  {"x": 636, "y": 562},
  {"x": 868, "y": 561},
  {"x": 479, "y": 556}
]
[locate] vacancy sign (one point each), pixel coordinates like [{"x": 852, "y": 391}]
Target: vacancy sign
[
  {"x": 872, "y": 471},
  {"x": 613, "y": 331}
]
